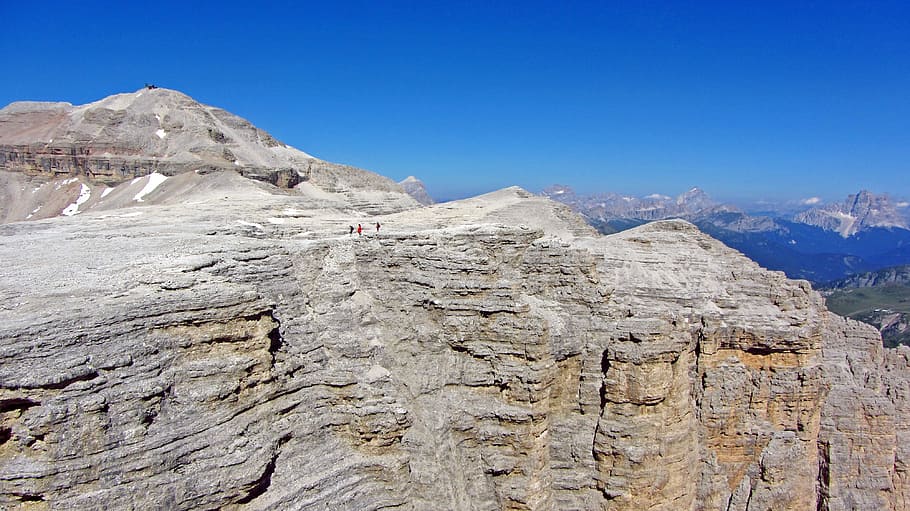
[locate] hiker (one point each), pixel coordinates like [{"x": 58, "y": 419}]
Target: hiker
[
  {"x": 377, "y": 227},
  {"x": 359, "y": 230},
  {"x": 352, "y": 230}
]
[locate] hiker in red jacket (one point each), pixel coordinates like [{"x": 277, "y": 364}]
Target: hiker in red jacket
[{"x": 359, "y": 230}]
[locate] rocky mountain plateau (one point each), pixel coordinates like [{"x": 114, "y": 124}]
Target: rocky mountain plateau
[{"x": 180, "y": 336}]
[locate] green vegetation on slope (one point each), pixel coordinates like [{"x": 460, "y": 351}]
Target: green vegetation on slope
[{"x": 885, "y": 307}]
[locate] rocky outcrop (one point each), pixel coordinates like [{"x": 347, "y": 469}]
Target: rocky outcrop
[
  {"x": 163, "y": 131},
  {"x": 862, "y": 453},
  {"x": 457, "y": 359},
  {"x": 195, "y": 340}
]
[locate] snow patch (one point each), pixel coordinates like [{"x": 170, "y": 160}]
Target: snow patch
[
  {"x": 161, "y": 133},
  {"x": 154, "y": 180},
  {"x": 846, "y": 223},
  {"x": 559, "y": 192},
  {"x": 84, "y": 193},
  {"x": 65, "y": 182},
  {"x": 811, "y": 201},
  {"x": 251, "y": 224},
  {"x": 157, "y": 117},
  {"x": 106, "y": 192},
  {"x": 273, "y": 220}
]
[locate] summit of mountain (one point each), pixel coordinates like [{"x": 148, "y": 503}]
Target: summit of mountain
[
  {"x": 84, "y": 150},
  {"x": 859, "y": 212},
  {"x": 129, "y": 135},
  {"x": 416, "y": 189}
]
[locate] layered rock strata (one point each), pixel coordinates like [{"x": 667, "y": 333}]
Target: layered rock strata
[
  {"x": 215, "y": 365},
  {"x": 130, "y": 135}
]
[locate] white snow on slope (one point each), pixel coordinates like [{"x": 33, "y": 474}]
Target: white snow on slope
[
  {"x": 106, "y": 191},
  {"x": 161, "y": 133},
  {"x": 251, "y": 224},
  {"x": 846, "y": 223},
  {"x": 84, "y": 193},
  {"x": 154, "y": 180},
  {"x": 65, "y": 182}
]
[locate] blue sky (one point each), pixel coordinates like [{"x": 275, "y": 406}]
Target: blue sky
[{"x": 754, "y": 100}]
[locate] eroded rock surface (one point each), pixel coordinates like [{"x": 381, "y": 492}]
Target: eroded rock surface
[
  {"x": 131, "y": 135},
  {"x": 492, "y": 353}
]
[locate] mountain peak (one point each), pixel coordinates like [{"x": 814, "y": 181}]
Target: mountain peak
[
  {"x": 157, "y": 131},
  {"x": 860, "y": 211},
  {"x": 416, "y": 189},
  {"x": 133, "y": 134}
]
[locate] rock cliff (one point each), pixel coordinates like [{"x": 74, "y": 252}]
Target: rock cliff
[
  {"x": 131, "y": 135},
  {"x": 174, "y": 336},
  {"x": 493, "y": 353}
]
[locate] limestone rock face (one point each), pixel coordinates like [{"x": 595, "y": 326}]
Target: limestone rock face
[
  {"x": 492, "y": 353},
  {"x": 131, "y": 135}
]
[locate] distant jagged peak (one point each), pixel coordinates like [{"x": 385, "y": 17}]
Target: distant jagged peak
[
  {"x": 557, "y": 190},
  {"x": 655, "y": 206},
  {"x": 694, "y": 199},
  {"x": 416, "y": 189},
  {"x": 860, "y": 211}
]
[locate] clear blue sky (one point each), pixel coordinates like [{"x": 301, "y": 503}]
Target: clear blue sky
[{"x": 743, "y": 99}]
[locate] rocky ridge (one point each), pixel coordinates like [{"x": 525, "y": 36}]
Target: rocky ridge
[
  {"x": 253, "y": 355},
  {"x": 198, "y": 340},
  {"x": 857, "y": 213},
  {"x": 157, "y": 130},
  {"x": 897, "y": 275}
]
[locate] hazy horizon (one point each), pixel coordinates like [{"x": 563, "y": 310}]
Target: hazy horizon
[{"x": 773, "y": 101}]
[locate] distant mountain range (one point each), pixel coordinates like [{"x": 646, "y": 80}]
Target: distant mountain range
[
  {"x": 858, "y": 213},
  {"x": 866, "y": 232}
]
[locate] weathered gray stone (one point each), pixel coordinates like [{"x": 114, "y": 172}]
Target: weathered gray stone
[{"x": 229, "y": 345}]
